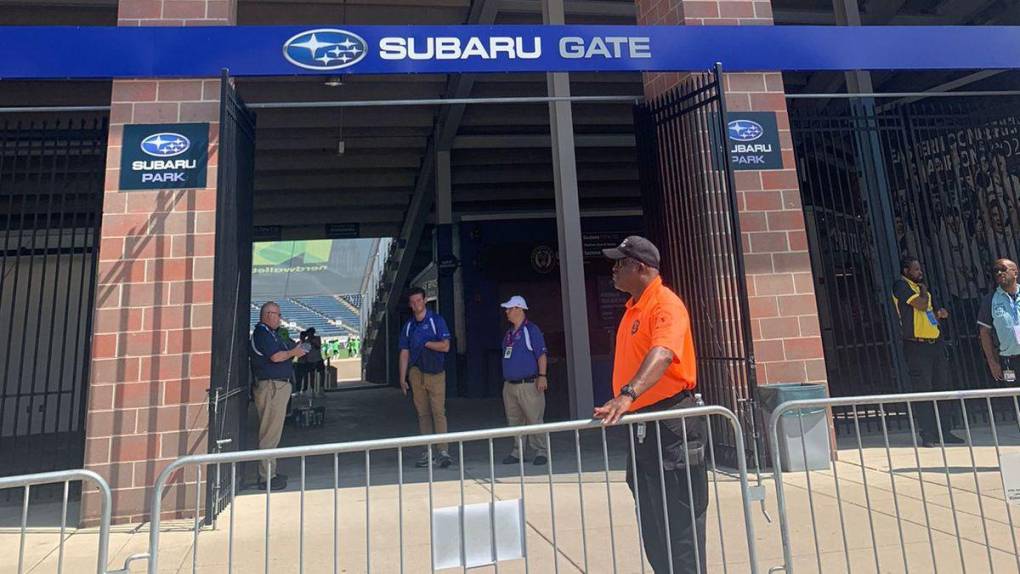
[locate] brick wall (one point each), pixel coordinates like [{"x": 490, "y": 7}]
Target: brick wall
[
  {"x": 784, "y": 313},
  {"x": 153, "y": 321}
]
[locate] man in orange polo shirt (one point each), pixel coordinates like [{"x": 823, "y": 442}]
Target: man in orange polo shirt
[{"x": 655, "y": 369}]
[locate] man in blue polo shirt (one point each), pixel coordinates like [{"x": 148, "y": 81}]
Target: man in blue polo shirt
[
  {"x": 524, "y": 376},
  {"x": 1000, "y": 311},
  {"x": 424, "y": 343},
  {"x": 271, "y": 360}
]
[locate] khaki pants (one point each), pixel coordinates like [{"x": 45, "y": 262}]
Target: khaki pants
[
  {"x": 525, "y": 405},
  {"x": 271, "y": 396},
  {"x": 429, "y": 393}
]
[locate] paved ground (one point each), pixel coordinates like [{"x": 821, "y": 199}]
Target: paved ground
[{"x": 882, "y": 532}]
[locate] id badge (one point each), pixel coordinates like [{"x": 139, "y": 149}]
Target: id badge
[
  {"x": 932, "y": 319},
  {"x": 507, "y": 352},
  {"x": 1009, "y": 376}
]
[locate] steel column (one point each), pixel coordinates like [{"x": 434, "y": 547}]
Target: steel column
[{"x": 568, "y": 231}]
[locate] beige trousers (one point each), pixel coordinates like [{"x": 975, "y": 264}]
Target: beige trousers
[
  {"x": 429, "y": 393},
  {"x": 525, "y": 405},
  {"x": 271, "y": 396}
]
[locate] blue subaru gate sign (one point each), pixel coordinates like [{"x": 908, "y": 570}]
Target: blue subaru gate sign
[
  {"x": 30, "y": 52},
  {"x": 164, "y": 156}
]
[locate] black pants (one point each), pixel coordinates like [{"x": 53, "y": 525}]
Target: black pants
[
  {"x": 928, "y": 366},
  {"x": 682, "y": 532}
]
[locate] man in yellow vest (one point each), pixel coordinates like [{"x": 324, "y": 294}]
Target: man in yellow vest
[{"x": 923, "y": 349}]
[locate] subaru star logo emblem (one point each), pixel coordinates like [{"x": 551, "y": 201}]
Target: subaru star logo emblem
[
  {"x": 745, "y": 130},
  {"x": 325, "y": 49},
  {"x": 165, "y": 144}
]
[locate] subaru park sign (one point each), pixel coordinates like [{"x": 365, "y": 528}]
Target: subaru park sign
[
  {"x": 164, "y": 156},
  {"x": 752, "y": 140},
  {"x": 38, "y": 52}
]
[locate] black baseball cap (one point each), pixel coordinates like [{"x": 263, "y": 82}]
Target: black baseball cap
[{"x": 635, "y": 247}]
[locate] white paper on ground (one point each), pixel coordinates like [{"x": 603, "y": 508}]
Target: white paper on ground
[
  {"x": 1010, "y": 465},
  {"x": 446, "y": 546}
]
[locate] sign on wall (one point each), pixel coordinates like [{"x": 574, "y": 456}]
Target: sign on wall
[
  {"x": 753, "y": 141},
  {"x": 164, "y": 156},
  {"x": 343, "y": 230},
  {"x": 28, "y": 52}
]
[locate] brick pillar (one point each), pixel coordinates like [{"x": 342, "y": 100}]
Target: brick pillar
[
  {"x": 153, "y": 320},
  {"x": 784, "y": 313}
]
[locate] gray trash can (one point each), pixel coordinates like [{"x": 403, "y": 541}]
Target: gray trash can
[{"x": 793, "y": 444}]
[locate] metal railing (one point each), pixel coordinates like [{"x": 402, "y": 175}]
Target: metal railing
[
  {"x": 26, "y": 482},
  {"x": 187, "y": 472},
  {"x": 911, "y": 512}
]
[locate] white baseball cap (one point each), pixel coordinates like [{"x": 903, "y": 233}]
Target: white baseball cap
[{"x": 515, "y": 301}]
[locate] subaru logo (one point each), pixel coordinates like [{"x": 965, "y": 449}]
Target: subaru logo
[
  {"x": 325, "y": 49},
  {"x": 165, "y": 144},
  {"x": 745, "y": 130}
]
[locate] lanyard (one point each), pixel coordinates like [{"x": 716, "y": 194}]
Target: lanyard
[
  {"x": 271, "y": 333},
  {"x": 508, "y": 340}
]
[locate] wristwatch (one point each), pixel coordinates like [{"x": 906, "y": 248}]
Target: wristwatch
[{"x": 629, "y": 391}]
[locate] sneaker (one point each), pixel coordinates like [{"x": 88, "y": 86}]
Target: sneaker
[
  {"x": 540, "y": 460},
  {"x": 950, "y": 438},
  {"x": 277, "y": 483},
  {"x": 444, "y": 460},
  {"x": 424, "y": 461},
  {"x": 511, "y": 459}
]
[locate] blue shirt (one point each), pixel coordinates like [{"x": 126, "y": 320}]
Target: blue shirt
[
  {"x": 415, "y": 334},
  {"x": 265, "y": 344},
  {"x": 521, "y": 350},
  {"x": 1001, "y": 311}
]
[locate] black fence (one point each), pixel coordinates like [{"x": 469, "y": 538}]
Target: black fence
[
  {"x": 51, "y": 194},
  {"x": 938, "y": 180},
  {"x": 228, "y": 400},
  {"x": 690, "y": 213}
]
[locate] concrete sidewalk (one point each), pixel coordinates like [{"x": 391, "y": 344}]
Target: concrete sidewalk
[{"x": 874, "y": 518}]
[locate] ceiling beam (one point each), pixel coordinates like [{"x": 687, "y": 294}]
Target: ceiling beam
[
  {"x": 392, "y": 178},
  {"x": 515, "y": 141},
  {"x": 335, "y": 215}
]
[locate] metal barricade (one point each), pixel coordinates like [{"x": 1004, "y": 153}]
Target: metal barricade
[
  {"x": 938, "y": 503},
  {"x": 364, "y": 517},
  {"x": 66, "y": 477}
]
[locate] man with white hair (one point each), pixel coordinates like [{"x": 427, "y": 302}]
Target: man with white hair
[
  {"x": 524, "y": 376},
  {"x": 274, "y": 371}
]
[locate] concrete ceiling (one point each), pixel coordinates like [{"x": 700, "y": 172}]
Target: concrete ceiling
[{"x": 500, "y": 154}]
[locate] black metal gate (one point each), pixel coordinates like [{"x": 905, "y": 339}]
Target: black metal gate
[
  {"x": 52, "y": 169},
  {"x": 691, "y": 214},
  {"x": 228, "y": 401},
  {"x": 938, "y": 180}
]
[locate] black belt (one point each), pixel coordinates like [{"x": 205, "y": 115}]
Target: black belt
[
  {"x": 668, "y": 402},
  {"x": 522, "y": 381},
  {"x": 925, "y": 341}
]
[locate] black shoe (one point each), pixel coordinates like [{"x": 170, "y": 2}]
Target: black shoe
[
  {"x": 423, "y": 462},
  {"x": 950, "y": 438},
  {"x": 540, "y": 460},
  {"x": 278, "y": 482},
  {"x": 444, "y": 460},
  {"x": 929, "y": 443},
  {"x": 511, "y": 459}
]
